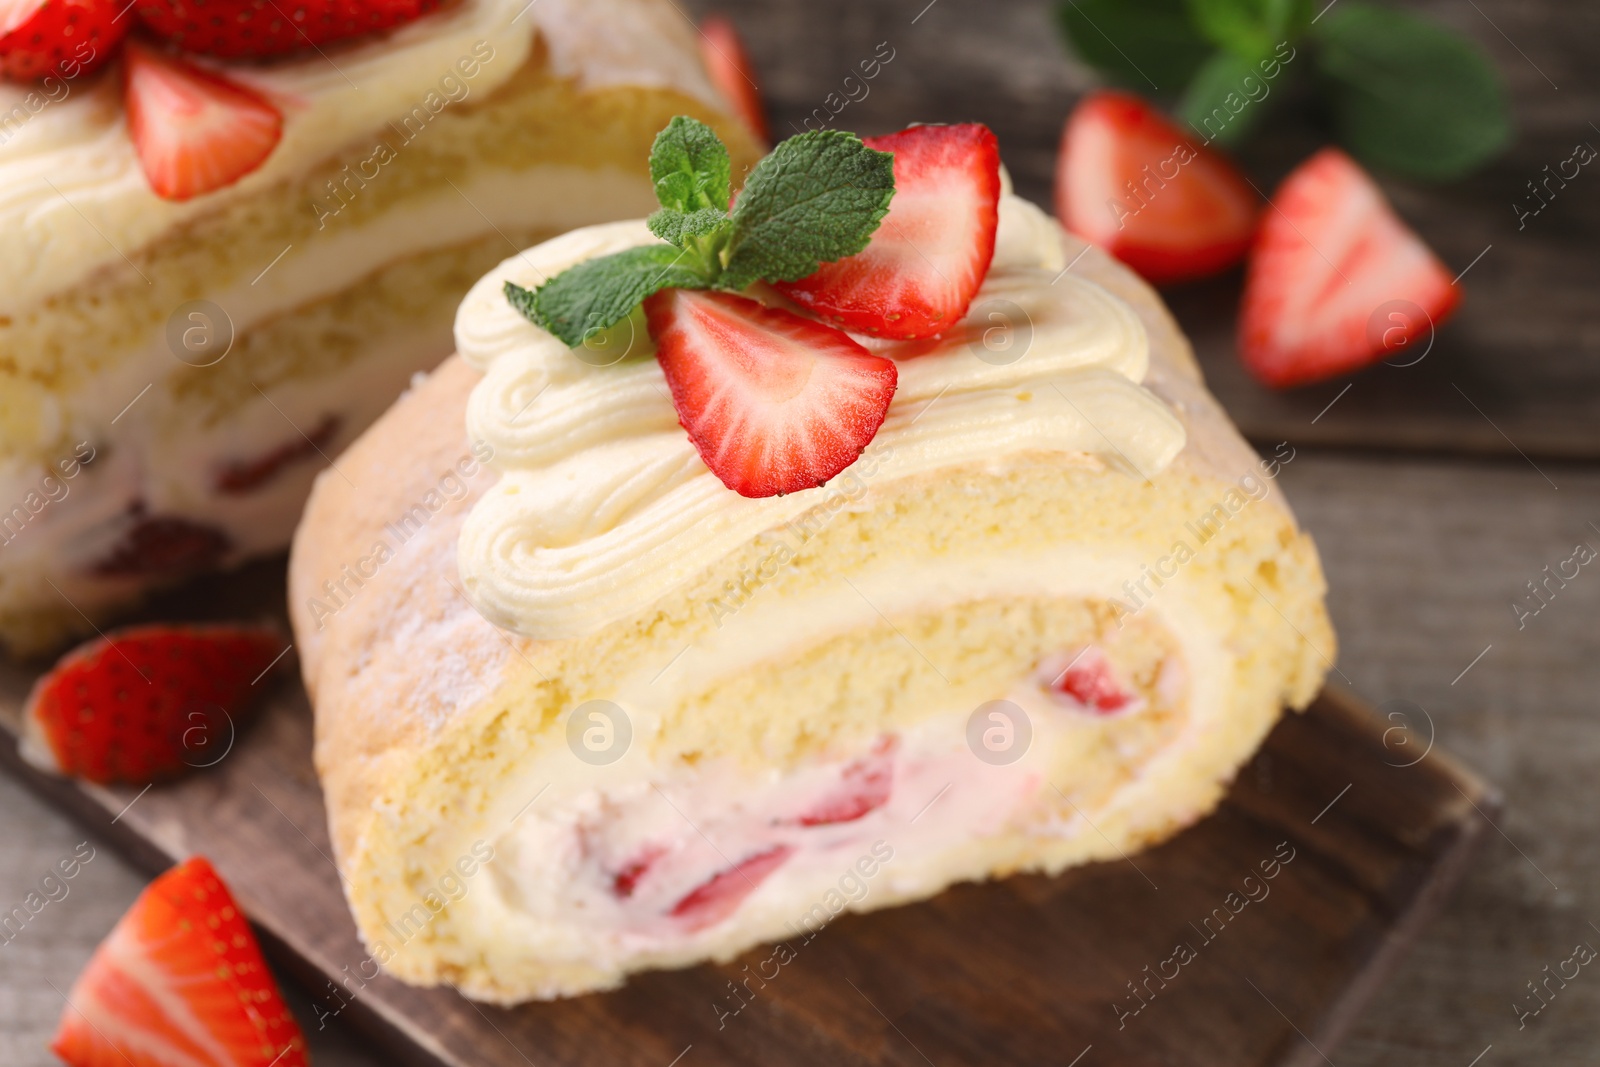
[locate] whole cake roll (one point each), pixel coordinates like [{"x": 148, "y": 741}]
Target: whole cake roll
[
  {"x": 227, "y": 253},
  {"x": 605, "y": 680}
]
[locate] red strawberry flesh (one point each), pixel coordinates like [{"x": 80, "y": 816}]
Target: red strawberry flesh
[
  {"x": 626, "y": 880},
  {"x": 1090, "y": 682},
  {"x": 59, "y": 38},
  {"x": 865, "y": 785},
  {"x": 180, "y": 980},
  {"x": 773, "y": 402},
  {"x": 194, "y": 130},
  {"x": 245, "y": 476},
  {"x": 148, "y": 702},
  {"x": 925, "y": 262},
  {"x": 1336, "y": 281},
  {"x": 159, "y": 545},
  {"x": 1149, "y": 193},
  {"x": 233, "y": 29},
  {"x": 720, "y": 896}
]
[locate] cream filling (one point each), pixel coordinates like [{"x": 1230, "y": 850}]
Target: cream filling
[
  {"x": 73, "y": 198},
  {"x": 619, "y": 871},
  {"x": 594, "y": 864},
  {"x": 604, "y": 506}
]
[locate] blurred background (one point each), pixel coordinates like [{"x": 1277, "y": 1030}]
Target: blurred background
[{"x": 1437, "y": 491}]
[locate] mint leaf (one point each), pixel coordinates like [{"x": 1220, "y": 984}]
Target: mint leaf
[
  {"x": 1408, "y": 95},
  {"x": 599, "y": 293},
  {"x": 690, "y": 168},
  {"x": 1250, "y": 28},
  {"x": 1229, "y": 96},
  {"x": 1148, "y": 45},
  {"x": 679, "y": 227},
  {"x": 817, "y": 198}
]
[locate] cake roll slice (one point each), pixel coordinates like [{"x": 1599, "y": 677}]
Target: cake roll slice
[
  {"x": 176, "y": 363},
  {"x": 583, "y": 710}
]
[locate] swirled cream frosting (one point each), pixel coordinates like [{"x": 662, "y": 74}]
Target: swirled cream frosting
[{"x": 603, "y": 505}]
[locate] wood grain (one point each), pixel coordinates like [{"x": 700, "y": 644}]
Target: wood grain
[
  {"x": 1014, "y": 972},
  {"x": 1525, "y": 346}
]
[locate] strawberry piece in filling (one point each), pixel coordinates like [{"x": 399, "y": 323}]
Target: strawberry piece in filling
[
  {"x": 162, "y": 545},
  {"x": 865, "y": 785},
  {"x": 626, "y": 880},
  {"x": 242, "y": 476},
  {"x": 719, "y": 896},
  {"x": 1088, "y": 682}
]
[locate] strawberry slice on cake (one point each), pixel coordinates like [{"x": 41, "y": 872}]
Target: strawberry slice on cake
[
  {"x": 180, "y": 980},
  {"x": 195, "y": 131},
  {"x": 932, "y": 251},
  {"x": 235, "y": 29},
  {"x": 1336, "y": 281},
  {"x": 773, "y": 402}
]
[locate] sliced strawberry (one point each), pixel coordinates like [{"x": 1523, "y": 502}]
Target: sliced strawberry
[
  {"x": 1336, "y": 281},
  {"x": 148, "y": 701},
  {"x": 720, "y": 896},
  {"x": 729, "y": 66},
  {"x": 932, "y": 250},
  {"x": 1149, "y": 193},
  {"x": 773, "y": 402},
  {"x": 65, "y": 38},
  {"x": 234, "y": 29},
  {"x": 864, "y": 786},
  {"x": 1090, "y": 683},
  {"x": 195, "y": 131},
  {"x": 180, "y": 980}
]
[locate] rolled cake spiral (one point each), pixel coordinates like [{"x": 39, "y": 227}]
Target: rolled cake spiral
[{"x": 1042, "y": 621}]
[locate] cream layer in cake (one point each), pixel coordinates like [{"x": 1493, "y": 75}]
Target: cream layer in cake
[
  {"x": 683, "y": 722},
  {"x": 409, "y": 165}
]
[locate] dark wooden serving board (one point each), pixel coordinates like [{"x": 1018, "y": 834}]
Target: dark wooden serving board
[
  {"x": 1525, "y": 346},
  {"x": 1020, "y": 972}
]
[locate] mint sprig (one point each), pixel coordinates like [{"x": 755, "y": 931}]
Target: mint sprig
[
  {"x": 1408, "y": 95},
  {"x": 816, "y": 198}
]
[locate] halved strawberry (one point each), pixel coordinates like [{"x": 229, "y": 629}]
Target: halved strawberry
[
  {"x": 773, "y": 402},
  {"x": 65, "y": 38},
  {"x": 148, "y": 701},
  {"x": 235, "y": 29},
  {"x": 729, "y": 66},
  {"x": 1336, "y": 281},
  {"x": 720, "y": 895},
  {"x": 179, "y": 980},
  {"x": 195, "y": 131},
  {"x": 932, "y": 250},
  {"x": 1149, "y": 193}
]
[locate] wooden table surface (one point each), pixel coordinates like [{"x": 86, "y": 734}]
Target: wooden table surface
[{"x": 1431, "y": 519}]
